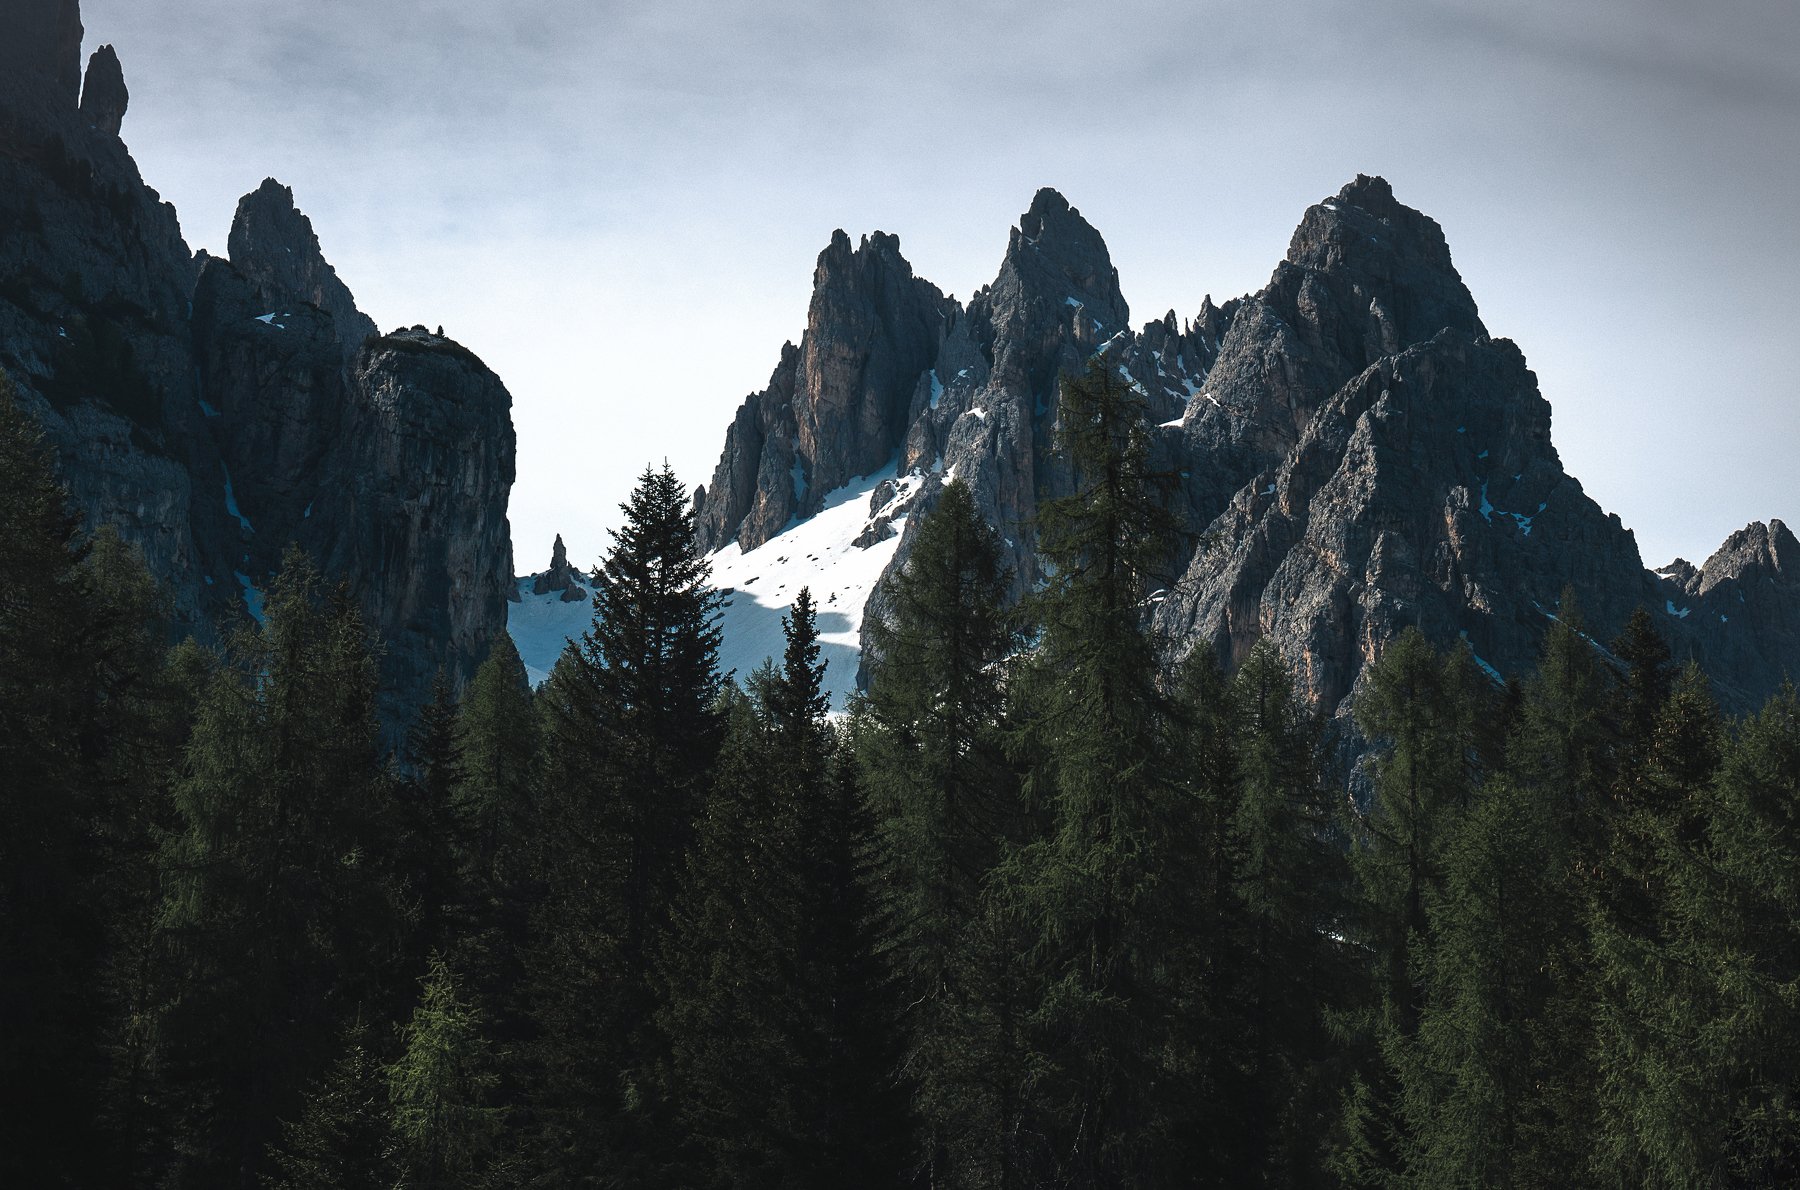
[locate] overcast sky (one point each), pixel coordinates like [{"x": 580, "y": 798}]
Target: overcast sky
[{"x": 618, "y": 205}]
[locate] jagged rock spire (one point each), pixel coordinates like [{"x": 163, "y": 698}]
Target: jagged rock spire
[
  {"x": 104, "y": 96},
  {"x": 273, "y": 244}
]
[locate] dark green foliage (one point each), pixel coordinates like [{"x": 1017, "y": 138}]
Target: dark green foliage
[
  {"x": 779, "y": 1068},
  {"x": 929, "y": 744},
  {"x": 87, "y": 715},
  {"x": 1043, "y": 912},
  {"x": 283, "y": 914},
  {"x": 1419, "y": 709},
  {"x": 630, "y": 732},
  {"x": 446, "y": 1127},
  {"x": 342, "y": 1138},
  {"x": 1103, "y": 894}
]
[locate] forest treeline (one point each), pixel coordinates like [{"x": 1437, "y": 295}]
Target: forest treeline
[{"x": 1044, "y": 909}]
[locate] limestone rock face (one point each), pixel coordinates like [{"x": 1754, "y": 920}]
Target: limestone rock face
[
  {"x": 1356, "y": 455},
  {"x": 104, "y": 96},
  {"x": 43, "y": 45},
  {"x": 837, "y": 405},
  {"x": 216, "y": 410},
  {"x": 273, "y": 244},
  {"x": 414, "y": 513}
]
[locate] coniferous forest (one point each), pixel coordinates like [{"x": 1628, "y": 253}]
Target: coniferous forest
[{"x": 1047, "y": 907}]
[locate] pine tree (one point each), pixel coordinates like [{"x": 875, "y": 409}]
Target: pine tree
[
  {"x": 342, "y": 1136},
  {"x": 778, "y": 1068},
  {"x": 930, "y": 749},
  {"x": 1288, "y": 883},
  {"x": 84, "y": 703},
  {"x": 1107, "y": 901}
]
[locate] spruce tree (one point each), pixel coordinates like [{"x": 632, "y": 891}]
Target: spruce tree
[
  {"x": 282, "y": 917},
  {"x": 85, "y": 711},
  {"x": 1418, "y": 709},
  {"x": 342, "y": 1137},
  {"x": 930, "y": 750},
  {"x": 776, "y": 1026},
  {"x": 1288, "y": 884},
  {"x": 1106, "y": 898},
  {"x": 630, "y": 734}
]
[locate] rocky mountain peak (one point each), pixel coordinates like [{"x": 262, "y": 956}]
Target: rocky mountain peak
[
  {"x": 104, "y": 96},
  {"x": 837, "y": 405},
  {"x": 43, "y": 40},
  {"x": 1757, "y": 550},
  {"x": 1375, "y": 250},
  {"x": 560, "y": 576},
  {"x": 273, "y": 244},
  {"x": 1056, "y": 257}
]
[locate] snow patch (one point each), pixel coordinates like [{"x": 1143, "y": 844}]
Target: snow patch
[
  {"x": 231, "y": 504},
  {"x": 759, "y": 589},
  {"x": 1681, "y": 614},
  {"x": 253, "y": 597},
  {"x": 542, "y": 625},
  {"x": 1487, "y": 669},
  {"x": 937, "y": 389},
  {"x": 269, "y": 320}
]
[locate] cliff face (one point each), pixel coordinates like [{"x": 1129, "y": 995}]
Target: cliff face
[
  {"x": 216, "y": 410},
  {"x": 1357, "y": 454}
]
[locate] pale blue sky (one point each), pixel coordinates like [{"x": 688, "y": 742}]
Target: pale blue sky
[{"x": 618, "y": 205}]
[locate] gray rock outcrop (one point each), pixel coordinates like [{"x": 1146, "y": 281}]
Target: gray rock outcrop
[
  {"x": 215, "y": 410},
  {"x": 837, "y": 405},
  {"x": 560, "y": 577},
  {"x": 1356, "y": 455},
  {"x": 104, "y": 96},
  {"x": 275, "y": 247}
]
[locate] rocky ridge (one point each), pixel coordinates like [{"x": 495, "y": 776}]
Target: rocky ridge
[
  {"x": 215, "y": 410},
  {"x": 1357, "y": 454}
]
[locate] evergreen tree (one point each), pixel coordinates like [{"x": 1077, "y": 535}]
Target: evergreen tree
[
  {"x": 630, "y": 736},
  {"x": 779, "y": 1059},
  {"x": 1288, "y": 882},
  {"x": 446, "y": 1128},
  {"x": 1418, "y": 707},
  {"x": 280, "y": 918},
  {"x": 1106, "y": 897},
  {"x": 342, "y": 1136},
  {"x": 929, "y": 745},
  {"x": 84, "y": 707}
]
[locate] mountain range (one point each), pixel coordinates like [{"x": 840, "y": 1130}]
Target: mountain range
[
  {"x": 1355, "y": 451},
  {"x": 1356, "y": 454}
]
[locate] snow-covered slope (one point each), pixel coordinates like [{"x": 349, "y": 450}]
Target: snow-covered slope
[
  {"x": 760, "y": 586},
  {"x": 542, "y": 624}
]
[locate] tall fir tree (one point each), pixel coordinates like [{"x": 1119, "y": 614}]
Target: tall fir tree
[
  {"x": 85, "y": 735},
  {"x": 1418, "y": 708},
  {"x": 1104, "y": 891},
  {"x": 631, "y": 732},
  {"x": 773, "y": 1006},
  {"x": 282, "y": 919},
  {"x": 929, "y": 742}
]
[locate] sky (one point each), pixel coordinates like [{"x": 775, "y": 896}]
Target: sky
[{"x": 619, "y": 205}]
